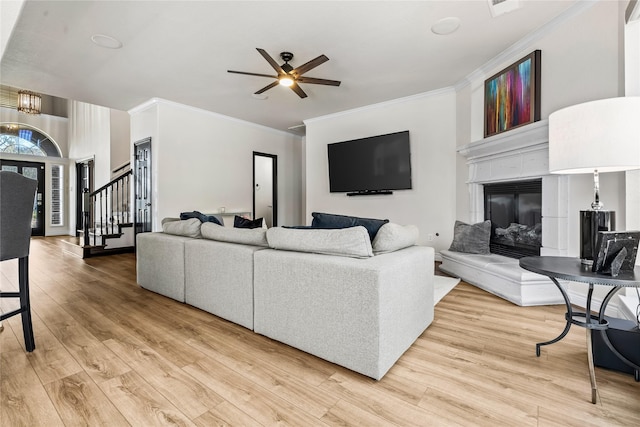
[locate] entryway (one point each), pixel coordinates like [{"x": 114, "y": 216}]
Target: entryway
[
  {"x": 35, "y": 171},
  {"x": 265, "y": 188}
]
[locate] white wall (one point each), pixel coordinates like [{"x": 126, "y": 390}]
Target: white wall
[
  {"x": 120, "y": 136},
  {"x": 202, "y": 160},
  {"x": 430, "y": 119}
]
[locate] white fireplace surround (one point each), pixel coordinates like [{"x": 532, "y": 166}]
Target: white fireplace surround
[{"x": 516, "y": 155}]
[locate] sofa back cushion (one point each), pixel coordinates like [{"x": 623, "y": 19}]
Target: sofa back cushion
[
  {"x": 350, "y": 242},
  {"x": 187, "y": 227},
  {"x": 325, "y": 220},
  {"x": 245, "y": 236},
  {"x": 393, "y": 237}
]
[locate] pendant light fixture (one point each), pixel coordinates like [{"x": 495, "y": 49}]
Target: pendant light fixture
[{"x": 29, "y": 102}]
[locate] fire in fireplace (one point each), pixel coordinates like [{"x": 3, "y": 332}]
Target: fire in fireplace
[{"x": 515, "y": 211}]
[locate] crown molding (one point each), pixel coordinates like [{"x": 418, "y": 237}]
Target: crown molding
[{"x": 524, "y": 43}]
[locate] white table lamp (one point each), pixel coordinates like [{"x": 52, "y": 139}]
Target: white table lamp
[{"x": 595, "y": 137}]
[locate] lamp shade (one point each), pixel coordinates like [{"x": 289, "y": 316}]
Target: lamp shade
[{"x": 601, "y": 135}]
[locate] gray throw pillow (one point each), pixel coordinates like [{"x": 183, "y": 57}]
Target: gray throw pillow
[
  {"x": 245, "y": 236},
  {"x": 393, "y": 237},
  {"x": 471, "y": 238},
  {"x": 187, "y": 227},
  {"x": 349, "y": 242}
]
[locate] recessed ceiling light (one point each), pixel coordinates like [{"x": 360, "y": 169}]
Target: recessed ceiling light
[
  {"x": 446, "y": 26},
  {"x": 106, "y": 41}
]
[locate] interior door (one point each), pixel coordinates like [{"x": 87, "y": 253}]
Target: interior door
[
  {"x": 34, "y": 171},
  {"x": 265, "y": 188},
  {"x": 142, "y": 179},
  {"x": 84, "y": 184}
]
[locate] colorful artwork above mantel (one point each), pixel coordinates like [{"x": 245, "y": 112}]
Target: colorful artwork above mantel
[{"x": 512, "y": 96}]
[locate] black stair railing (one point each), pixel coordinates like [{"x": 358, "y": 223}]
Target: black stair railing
[{"x": 107, "y": 208}]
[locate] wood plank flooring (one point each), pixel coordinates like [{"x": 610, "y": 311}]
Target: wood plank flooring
[{"x": 111, "y": 353}]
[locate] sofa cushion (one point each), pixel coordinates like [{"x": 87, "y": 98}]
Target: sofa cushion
[
  {"x": 240, "y": 222},
  {"x": 202, "y": 217},
  {"x": 325, "y": 220},
  {"x": 471, "y": 238},
  {"x": 245, "y": 236},
  {"x": 393, "y": 237},
  {"x": 187, "y": 227},
  {"x": 350, "y": 242}
]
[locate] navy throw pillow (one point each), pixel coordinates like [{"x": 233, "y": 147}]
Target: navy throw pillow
[
  {"x": 239, "y": 222},
  {"x": 202, "y": 217},
  {"x": 325, "y": 220}
]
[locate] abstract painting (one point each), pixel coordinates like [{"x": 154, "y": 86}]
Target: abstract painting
[{"x": 512, "y": 96}]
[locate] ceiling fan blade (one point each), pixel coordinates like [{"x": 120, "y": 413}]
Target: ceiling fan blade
[
  {"x": 318, "y": 81},
  {"x": 252, "y": 74},
  {"x": 267, "y": 87},
  {"x": 271, "y": 61},
  {"x": 309, "y": 65},
  {"x": 297, "y": 89}
]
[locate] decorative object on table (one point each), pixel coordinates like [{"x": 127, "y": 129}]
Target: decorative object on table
[
  {"x": 595, "y": 137},
  {"x": 512, "y": 96},
  {"x": 616, "y": 252}
]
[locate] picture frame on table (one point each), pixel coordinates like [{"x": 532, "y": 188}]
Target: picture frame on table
[
  {"x": 616, "y": 252},
  {"x": 512, "y": 96}
]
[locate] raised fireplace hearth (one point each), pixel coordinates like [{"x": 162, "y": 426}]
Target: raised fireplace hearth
[{"x": 517, "y": 157}]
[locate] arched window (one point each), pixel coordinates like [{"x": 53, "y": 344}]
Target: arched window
[{"x": 18, "y": 138}]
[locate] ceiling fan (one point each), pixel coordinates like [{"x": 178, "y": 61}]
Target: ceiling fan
[{"x": 289, "y": 76}]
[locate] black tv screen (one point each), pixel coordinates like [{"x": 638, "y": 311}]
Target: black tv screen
[{"x": 370, "y": 164}]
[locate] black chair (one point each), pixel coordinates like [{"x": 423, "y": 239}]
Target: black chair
[{"x": 17, "y": 195}]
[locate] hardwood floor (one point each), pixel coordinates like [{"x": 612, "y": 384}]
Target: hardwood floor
[{"x": 111, "y": 353}]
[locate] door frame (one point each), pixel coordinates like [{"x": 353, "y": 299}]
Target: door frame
[
  {"x": 80, "y": 164},
  {"x": 138, "y": 188},
  {"x": 274, "y": 178},
  {"x": 41, "y": 190}
]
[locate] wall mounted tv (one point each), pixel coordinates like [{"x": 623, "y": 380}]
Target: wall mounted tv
[{"x": 373, "y": 165}]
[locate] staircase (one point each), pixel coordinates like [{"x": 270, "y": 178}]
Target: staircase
[{"x": 107, "y": 226}]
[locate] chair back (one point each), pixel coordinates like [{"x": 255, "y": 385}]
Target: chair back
[{"x": 17, "y": 194}]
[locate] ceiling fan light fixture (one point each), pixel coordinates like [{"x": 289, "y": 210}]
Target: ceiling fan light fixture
[{"x": 286, "y": 81}]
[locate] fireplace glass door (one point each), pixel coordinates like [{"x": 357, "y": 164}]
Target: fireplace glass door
[{"x": 515, "y": 211}]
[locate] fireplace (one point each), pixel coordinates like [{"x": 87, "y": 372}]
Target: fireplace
[
  {"x": 515, "y": 211},
  {"x": 517, "y": 157}
]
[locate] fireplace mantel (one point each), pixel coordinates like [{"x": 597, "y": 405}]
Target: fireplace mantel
[
  {"x": 515, "y": 155},
  {"x": 534, "y": 136},
  {"x": 522, "y": 153}
]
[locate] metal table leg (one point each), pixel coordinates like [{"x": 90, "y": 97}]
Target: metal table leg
[{"x": 568, "y": 316}]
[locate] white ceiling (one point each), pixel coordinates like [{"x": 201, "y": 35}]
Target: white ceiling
[{"x": 181, "y": 51}]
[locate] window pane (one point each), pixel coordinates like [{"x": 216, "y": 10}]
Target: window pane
[{"x": 57, "y": 187}]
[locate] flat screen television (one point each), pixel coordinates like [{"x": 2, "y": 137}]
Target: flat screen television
[{"x": 373, "y": 165}]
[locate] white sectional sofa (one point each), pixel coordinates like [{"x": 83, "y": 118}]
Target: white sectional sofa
[{"x": 321, "y": 291}]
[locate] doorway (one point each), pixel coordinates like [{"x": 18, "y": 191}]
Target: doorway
[
  {"x": 84, "y": 185},
  {"x": 265, "y": 188},
  {"x": 34, "y": 171},
  {"x": 142, "y": 180}
]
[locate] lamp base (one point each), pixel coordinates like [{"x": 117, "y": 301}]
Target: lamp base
[{"x": 591, "y": 222}]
